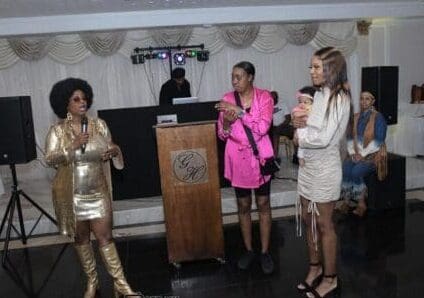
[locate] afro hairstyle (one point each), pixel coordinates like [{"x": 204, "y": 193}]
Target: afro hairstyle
[{"x": 62, "y": 92}]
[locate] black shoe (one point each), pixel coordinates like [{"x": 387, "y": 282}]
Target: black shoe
[
  {"x": 267, "y": 263},
  {"x": 334, "y": 293},
  {"x": 246, "y": 260},
  {"x": 304, "y": 287}
]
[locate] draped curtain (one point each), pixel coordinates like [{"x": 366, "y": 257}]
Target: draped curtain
[
  {"x": 73, "y": 48},
  {"x": 240, "y": 36},
  {"x": 171, "y": 36},
  {"x": 32, "y": 48},
  {"x": 103, "y": 44},
  {"x": 344, "y": 38}
]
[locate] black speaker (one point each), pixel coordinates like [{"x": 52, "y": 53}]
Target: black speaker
[
  {"x": 17, "y": 143},
  {"x": 389, "y": 193},
  {"x": 382, "y": 82}
]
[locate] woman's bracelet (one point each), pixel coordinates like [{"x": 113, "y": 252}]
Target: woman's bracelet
[{"x": 241, "y": 114}]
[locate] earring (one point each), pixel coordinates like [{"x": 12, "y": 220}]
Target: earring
[{"x": 69, "y": 116}]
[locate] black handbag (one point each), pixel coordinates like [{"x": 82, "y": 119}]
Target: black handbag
[{"x": 271, "y": 166}]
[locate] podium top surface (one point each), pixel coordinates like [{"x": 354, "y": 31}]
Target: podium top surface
[{"x": 166, "y": 125}]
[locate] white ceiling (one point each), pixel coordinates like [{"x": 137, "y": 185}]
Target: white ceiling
[
  {"x": 25, "y": 8},
  {"x": 25, "y": 17}
]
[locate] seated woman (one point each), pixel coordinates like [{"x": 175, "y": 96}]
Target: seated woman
[{"x": 367, "y": 152}]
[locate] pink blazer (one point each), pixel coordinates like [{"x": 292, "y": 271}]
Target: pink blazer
[{"x": 241, "y": 165}]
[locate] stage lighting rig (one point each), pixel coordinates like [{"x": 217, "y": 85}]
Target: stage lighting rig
[
  {"x": 137, "y": 57},
  {"x": 150, "y": 55},
  {"x": 179, "y": 59},
  {"x": 190, "y": 53},
  {"x": 140, "y": 55},
  {"x": 162, "y": 55},
  {"x": 202, "y": 56}
]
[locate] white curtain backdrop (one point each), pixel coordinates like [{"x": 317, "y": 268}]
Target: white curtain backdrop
[
  {"x": 343, "y": 38},
  {"x": 33, "y": 48},
  {"x": 117, "y": 83},
  {"x": 71, "y": 49},
  {"x": 171, "y": 36}
]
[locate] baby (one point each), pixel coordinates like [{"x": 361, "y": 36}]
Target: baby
[{"x": 305, "y": 98}]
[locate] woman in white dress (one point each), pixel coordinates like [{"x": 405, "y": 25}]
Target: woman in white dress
[{"x": 319, "y": 181}]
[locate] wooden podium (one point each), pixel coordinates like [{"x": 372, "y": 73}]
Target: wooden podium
[{"x": 188, "y": 165}]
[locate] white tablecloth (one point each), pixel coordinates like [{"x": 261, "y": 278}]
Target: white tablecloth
[{"x": 407, "y": 137}]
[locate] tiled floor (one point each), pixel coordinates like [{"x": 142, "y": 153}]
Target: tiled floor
[{"x": 378, "y": 256}]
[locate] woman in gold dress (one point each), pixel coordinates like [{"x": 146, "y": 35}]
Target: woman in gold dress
[{"x": 81, "y": 189}]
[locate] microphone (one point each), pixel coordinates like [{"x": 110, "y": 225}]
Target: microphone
[{"x": 84, "y": 125}]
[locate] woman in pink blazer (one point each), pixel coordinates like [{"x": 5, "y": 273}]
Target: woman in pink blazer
[{"x": 242, "y": 167}]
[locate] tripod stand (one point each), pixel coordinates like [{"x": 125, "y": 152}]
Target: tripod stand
[{"x": 15, "y": 201}]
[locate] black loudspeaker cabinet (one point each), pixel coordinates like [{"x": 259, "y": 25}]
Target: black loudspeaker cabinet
[
  {"x": 389, "y": 193},
  {"x": 17, "y": 142},
  {"x": 382, "y": 82}
]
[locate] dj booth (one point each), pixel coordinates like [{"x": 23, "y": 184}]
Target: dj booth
[{"x": 132, "y": 129}]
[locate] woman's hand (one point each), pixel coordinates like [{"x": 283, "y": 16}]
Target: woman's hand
[
  {"x": 356, "y": 157},
  {"x": 230, "y": 116},
  {"x": 79, "y": 140},
  {"x": 298, "y": 122},
  {"x": 225, "y": 106},
  {"x": 110, "y": 153}
]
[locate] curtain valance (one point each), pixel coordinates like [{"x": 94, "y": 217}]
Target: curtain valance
[{"x": 269, "y": 38}]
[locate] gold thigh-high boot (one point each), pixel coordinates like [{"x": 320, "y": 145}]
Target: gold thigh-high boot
[
  {"x": 113, "y": 265},
  {"x": 88, "y": 262}
]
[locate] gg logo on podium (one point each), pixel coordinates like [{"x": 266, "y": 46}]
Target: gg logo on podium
[{"x": 190, "y": 166}]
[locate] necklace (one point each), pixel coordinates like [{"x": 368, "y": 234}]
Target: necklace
[
  {"x": 71, "y": 125},
  {"x": 246, "y": 104},
  {"x": 71, "y": 129},
  {"x": 246, "y": 100}
]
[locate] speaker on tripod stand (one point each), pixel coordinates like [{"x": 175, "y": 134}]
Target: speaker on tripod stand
[{"x": 17, "y": 146}]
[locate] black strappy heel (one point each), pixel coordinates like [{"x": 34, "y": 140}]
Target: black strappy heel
[
  {"x": 315, "y": 282},
  {"x": 334, "y": 293}
]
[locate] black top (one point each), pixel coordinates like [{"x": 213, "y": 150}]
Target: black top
[{"x": 169, "y": 90}]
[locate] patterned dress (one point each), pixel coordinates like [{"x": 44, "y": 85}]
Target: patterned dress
[{"x": 320, "y": 179}]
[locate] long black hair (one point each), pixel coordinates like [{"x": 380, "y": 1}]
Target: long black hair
[{"x": 335, "y": 74}]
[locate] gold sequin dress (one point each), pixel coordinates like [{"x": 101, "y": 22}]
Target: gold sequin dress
[{"x": 81, "y": 188}]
